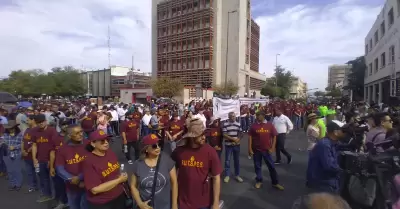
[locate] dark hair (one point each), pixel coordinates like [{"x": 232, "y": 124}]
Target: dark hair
[
  {"x": 89, "y": 147},
  {"x": 17, "y": 130},
  {"x": 378, "y": 117}
]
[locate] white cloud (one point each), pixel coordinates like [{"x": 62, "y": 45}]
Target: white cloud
[
  {"x": 44, "y": 34},
  {"x": 309, "y": 39}
]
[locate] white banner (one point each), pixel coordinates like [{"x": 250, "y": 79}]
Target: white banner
[
  {"x": 248, "y": 101},
  {"x": 221, "y": 107}
]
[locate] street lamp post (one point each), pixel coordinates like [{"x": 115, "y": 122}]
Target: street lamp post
[
  {"x": 227, "y": 47},
  {"x": 276, "y": 78}
]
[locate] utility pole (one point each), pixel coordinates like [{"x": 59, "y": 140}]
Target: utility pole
[
  {"x": 109, "y": 46},
  {"x": 276, "y": 78},
  {"x": 227, "y": 48},
  {"x": 133, "y": 59}
]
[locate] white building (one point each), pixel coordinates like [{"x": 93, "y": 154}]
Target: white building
[
  {"x": 298, "y": 89},
  {"x": 337, "y": 74},
  {"x": 206, "y": 41},
  {"x": 381, "y": 52}
]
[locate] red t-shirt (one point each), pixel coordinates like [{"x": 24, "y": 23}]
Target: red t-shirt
[
  {"x": 44, "y": 139},
  {"x": 164, "y": 120},
  {"x": 214, "y": 135},
  {"x": 98, "y": 170},
  {"x": 71, "y": 157},
  {"x": 137, "y": 116},
  {"x": 175, "y": 127},
  {"x": 89, "y": 122},
  {"x": 195, "y": 166},
  {"x": 27, "y": 140},
  {"x": 131, "y": 130},
  {"x": 262, "y": 135}
]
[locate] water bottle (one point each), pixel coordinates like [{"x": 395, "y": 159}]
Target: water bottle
[
  {"x": 122, "y": 168},
  {"x": 249, "y": 157},
  {"x": 12, "y": 155},
  {"x": 126, "y": 148},
  {"x": 37, "y": 169}
]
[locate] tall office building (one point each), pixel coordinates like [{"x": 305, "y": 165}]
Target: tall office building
[
  {"x": 336, "y": 74},
  {"x": 206, "y": 41}
]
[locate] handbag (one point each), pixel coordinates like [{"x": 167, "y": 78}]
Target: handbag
[{"x": 153, "y": 188}]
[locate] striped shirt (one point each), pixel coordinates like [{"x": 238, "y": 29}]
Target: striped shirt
[
  {"x": 231, "y": 129},
  {"x": 14, "y": 141}
]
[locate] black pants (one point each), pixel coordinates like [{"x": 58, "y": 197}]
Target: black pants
[
  {"x": 117, "y": 203},
  {"x": 114, "y": 127},
  {"x": 135, "y": 146},
  {"x": 280, "y": 147}
]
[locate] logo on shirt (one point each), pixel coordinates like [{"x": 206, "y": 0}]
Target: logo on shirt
[
  {"x": 42, "y": 140},
  {"x": 192, "y": 163},
  {"x": 77, "y": 159},
  {"x": 215, "y": 133},
  {"x": 110, "y": 168},
  {"x": 58, "y": 147},
  {"x": 27, "y": 137},
  {"x": 132, "y": 125},
  {"x": 175, "y": 127},
  {"x": 262, "y": 130}
]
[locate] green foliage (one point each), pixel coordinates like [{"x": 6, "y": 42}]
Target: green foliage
[
  {"x": 229, "y": 89},
  {"x": 64, "y": 81},
  {"x": 356, "y": 76},
  {"x": 334, "y": 92},
  {"x": 319, "y": 94},
  {"x": 279, "y": 85},
  {"x": 166, "y": 87}
]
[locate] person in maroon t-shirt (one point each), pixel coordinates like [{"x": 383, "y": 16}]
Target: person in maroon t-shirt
[
  {"x": 88, "y": 121},
  {"x": 136, "y": 115},
  {"x": 43, "y": 150},
  {"x": 102, "y": 174},
  {"x": 214, "y": 135},
  {"x": 262, "y": 139},
  {"x": 197, "y": 163},
  {"x": 27, "y": 154},
  {"x": 174, "y": 130},
  {"x": 68, "y": 165},
  {"x": 130, "y": 130}
]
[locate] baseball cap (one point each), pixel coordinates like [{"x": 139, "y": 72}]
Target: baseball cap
[
  {"x": 98, "y": 135},
  {"x": 334, "y": 125},
  {"x": 150, "y": 139}
]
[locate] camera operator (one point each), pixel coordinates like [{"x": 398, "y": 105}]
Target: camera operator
[
  {"x": 55, "y": 117},
  {"x": 355, "y": 130}
]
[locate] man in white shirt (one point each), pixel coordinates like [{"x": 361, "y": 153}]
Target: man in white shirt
[
  {"x": 283, "y": 126},
  {"x": 145, "y": 122}
]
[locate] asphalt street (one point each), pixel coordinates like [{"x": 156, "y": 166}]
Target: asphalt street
[{"x": 236, "y": 195}]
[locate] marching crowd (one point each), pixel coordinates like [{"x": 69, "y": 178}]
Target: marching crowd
[{"x": 69, "y": 150}]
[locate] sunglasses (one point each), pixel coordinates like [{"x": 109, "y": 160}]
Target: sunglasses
[
  {"x": 155, "y": 146},
  {"x": 103, "y": 141}
]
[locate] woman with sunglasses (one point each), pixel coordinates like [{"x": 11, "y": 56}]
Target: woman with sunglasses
[
  {"x": 166, "y": 191},
  {"x": 102, "y": 175}
]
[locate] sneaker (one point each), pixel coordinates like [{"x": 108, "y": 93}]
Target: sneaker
[
  {"x": 11, "y": 188},
  {"x": 44, "y": 199},
  {"x": 30, "y": 190},
  {"x": 239, "y": 179},
  {"x": 226, "y": 179},
  {"x": 277, "y": 163},
  {"x": 289, "y": 160},
  {"x": 258, "y": 185},
  {"x": 130, "y": 162},
  {"x": 17, "y": 189},
  {"x": 60, "y": 206},
  {"x": 279, "y": 187}
]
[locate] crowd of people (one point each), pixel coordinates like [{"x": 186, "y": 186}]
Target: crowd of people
[{"x": 173, "y": 144}]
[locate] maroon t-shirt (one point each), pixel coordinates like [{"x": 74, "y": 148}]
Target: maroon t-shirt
[
  {"x": 195, "y": 166},
  {"x": 137, "y": 116},
  {"x": 175, "y": 127},
  {"x": 88, "y": 123},
  {"x": 27, "y": 140},
  {"x": 262, "y": 135},
  {"x": 164, "y": 120},
  {"x": 131, "y": 130},
  {"x": 98, "y": 170},
  {"x": 214, "y": 135},
  {"x": 71, "y": 157},
  {"x": 44, "y": 139}
]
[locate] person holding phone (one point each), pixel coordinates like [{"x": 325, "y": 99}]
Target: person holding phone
[
  {"x": 152, "y": 164},
  {"x": 101, "y": 172}
]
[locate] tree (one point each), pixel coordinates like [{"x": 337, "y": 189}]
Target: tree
[
  {"x": 334, "y": 92},
  {"x": 166, "y": 87},
  {"x": 319, "y": 94},
  {"x": 229, "y": 89},
  {"x": 356, "y": 77},
  {"x": 280, "y": 83}
]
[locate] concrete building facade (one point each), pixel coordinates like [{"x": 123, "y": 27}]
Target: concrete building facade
[
  {"x": 382, "y": 44},
  {"x": 298, "y": 89},
  {"x": 206, "y": 41},
  {"x": 336, "y": 74}
]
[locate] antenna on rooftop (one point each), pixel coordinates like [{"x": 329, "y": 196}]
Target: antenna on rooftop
[{"x": 109, "y": 47}]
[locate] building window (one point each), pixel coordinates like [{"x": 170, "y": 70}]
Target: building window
[
  {"x": 383, "y": 29},
  {"x": 376, "y": 63},
  {"x": 383, "y": 60},
  {"x": 370, "y": 68},
  {"x": 393, "y": 88},
  {"x": 118, "y": 81},
  {"x": 392, "y": 54},
  {"x": 390, "y": 17},
  {"x": 366, "y": 49},
  {"x": 376, "y": 37},
  {"x": 370, "y": 44}
]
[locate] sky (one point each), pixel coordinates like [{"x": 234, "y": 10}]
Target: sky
[{"x": 309, "y": 35}]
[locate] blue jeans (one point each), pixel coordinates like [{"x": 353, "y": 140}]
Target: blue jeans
[
  {"x": 59, "y": 189},
  {"x": 77, "y": 199},
  {"x": 229, "y": 151},
  {"x": 14, "y": 171},
  {"x": 3, "y": 167},
  {"x": 296, "y": 122},
  {"x": 257, "y": 160},
  {"x": 145, "y": 130},
  {"x": 44, "y": 178},
  {"x": 31, "y": 175},
  {"x": 244, "y": 123},
  {"x": 252, "y": 120}
]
